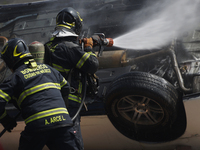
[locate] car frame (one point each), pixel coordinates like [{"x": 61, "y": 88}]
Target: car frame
[{"x": 148, "y": 96}]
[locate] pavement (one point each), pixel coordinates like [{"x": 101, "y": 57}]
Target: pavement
[{"x": 98, "y": 134}]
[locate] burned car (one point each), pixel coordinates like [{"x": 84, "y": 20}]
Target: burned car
[{"x": 141, "y": 92}]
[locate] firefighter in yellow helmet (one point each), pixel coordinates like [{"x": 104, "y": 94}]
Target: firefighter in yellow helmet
[{"x": 35, "y": 89}]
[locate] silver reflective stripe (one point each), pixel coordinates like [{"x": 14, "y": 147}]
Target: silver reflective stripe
[
  {"x": 60, "y": 68},
  {"x": 46, "y": 113},
  {"x": 36, "y": 89},
  {"x": 82, "y": 60},
  {"x": 5, "y": 96}
]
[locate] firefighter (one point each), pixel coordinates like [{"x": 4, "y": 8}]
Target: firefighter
[
  {"x": 65, "y": 54},
  {"x": 35, "y": 89}
]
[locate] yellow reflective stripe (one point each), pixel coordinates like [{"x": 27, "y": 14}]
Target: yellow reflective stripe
[
  {"x": 82, "y": 60},
  {"x": 53, "y": 48},
  {"x": 80, "y": 87},
  {"x": 15, "y": 52},
  {"x": 36, "y": 89},
  {"x": 91, "y": 53},
  {"x": 79, "y": 16},
  {"x": 14, "y": 98},
  {"x": 60, "y": 68},
  {"x": 5, "y": 96},
  {"x": 64, "y": 82},
  {"x": 52, "y": 39},
  {"x": 3, "y": 115},
  {"x": 62, "y": 25},
  {"x": 71, "y": 24},
  {"x": 6, "y": 46},
  {"x": 49, "y": 44},
  {"x": 46, "y": 113},
  {"x": 25, "y": 55},
  {"x": 74, "y": 98}
]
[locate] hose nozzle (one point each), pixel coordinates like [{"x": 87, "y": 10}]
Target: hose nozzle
[{"x": 109, "y": 42}]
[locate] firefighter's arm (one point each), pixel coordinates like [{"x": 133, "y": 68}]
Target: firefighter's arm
[
  {"x": 8, "y": 122},
  {"x": 88, "y": 63},
  {"x": 75, "y": 57},
  {"x": 65, "y": 89},
  {"x": 6, "y": 92},
  {"x": 64, "y": 86}
]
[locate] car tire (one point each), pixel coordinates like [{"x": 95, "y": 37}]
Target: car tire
[{"x": 142, "y": 106}]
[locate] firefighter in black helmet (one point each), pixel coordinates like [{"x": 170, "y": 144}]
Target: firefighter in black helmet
[
  {"x": 35, "y": 89},
  {"x": 65, "y": 54},
  {"x": 70, "y": 19}
]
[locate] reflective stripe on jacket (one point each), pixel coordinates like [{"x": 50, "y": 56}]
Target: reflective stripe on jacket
[
  {"x": 38, "y": 95},
  {"x": 43, "y": 114},
  {"x": 64, "y": 54}
]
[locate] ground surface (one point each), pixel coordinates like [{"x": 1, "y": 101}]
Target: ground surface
[{"x": 98, "y": 134}]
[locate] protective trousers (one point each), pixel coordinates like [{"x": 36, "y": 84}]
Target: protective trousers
[
  {"x": 77, "y": 128},
  {"x": 63, "y": 138}
]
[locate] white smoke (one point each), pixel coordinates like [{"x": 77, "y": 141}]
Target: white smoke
[{"x": 167, "y": 20}]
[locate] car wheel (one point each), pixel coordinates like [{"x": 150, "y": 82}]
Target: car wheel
[{"x": 142, "y": 106}]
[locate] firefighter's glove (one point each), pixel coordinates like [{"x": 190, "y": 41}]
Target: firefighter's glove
[
  {"x": 88, "y": 44},
  {"x": 96, "y": 40},
  {"x": 8, "y": 123}
]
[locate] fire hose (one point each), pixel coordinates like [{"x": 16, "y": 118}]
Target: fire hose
[{"x": 99, "y": 40}]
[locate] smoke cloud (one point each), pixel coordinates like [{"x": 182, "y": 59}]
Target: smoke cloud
[{"x": 159, "y": 23}]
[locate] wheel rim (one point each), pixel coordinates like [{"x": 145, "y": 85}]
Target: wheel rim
[{"x": 140, "y": 110}]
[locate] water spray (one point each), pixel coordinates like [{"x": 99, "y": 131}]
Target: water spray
[{"x": 169, "y": 19}]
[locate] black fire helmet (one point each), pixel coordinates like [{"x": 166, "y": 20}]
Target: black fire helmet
[
  {"x": 70, "y": 19},
  {"x": 14, "y": 51}
]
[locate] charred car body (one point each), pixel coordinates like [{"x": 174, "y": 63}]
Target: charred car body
[{"x": 142, "y": 92}]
